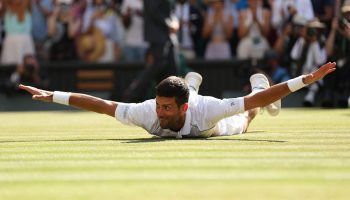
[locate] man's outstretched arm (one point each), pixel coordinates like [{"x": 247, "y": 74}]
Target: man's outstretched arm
[
  {"x": 81, "y": 101},
  {"x": 276, "y": 92}
]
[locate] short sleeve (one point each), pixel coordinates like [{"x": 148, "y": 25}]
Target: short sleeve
[
  {"x": 138, "y": 114},
  {"x": 217, "y": 109}
]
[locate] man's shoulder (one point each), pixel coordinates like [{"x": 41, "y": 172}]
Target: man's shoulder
[
  {"x": 198, "y": 107},
  {"x": 148, "y": 104},
  {"x": 144, "y": 107},
  {"x": 197, "y": 103}
]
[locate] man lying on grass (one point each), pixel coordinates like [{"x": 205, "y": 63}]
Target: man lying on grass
[{"x": 179, "y": 111}]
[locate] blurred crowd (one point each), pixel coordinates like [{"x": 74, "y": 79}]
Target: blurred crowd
[{"x": 293, "y": 37}]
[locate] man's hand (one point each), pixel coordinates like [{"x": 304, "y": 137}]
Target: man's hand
[
  {"x": 38, "y": 94},
  {"x": 320, "y": 73}
]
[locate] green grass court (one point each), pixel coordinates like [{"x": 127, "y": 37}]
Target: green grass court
[{"x": 301, "y": 154}]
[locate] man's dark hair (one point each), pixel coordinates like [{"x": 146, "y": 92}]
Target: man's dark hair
[{"x": 173, "y": 87}]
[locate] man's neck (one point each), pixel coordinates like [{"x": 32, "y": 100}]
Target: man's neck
[{"x": 179, "y": 124}]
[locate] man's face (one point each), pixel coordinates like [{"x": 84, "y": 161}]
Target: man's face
[{"x": 168, "y": 112}]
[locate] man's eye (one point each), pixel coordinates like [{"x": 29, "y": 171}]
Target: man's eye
[{"x": 167, "y": 108}]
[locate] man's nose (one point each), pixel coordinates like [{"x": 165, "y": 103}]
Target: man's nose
[{"x": 160, "y": 112}]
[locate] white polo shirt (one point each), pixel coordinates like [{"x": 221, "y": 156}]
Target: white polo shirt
[{"x": 205, "y": 117}]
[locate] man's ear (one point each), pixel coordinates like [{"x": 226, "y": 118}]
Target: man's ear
[{"x": 185, "y": 107}]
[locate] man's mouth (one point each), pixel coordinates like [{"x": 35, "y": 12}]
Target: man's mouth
[{"x": 162, "y": 120}]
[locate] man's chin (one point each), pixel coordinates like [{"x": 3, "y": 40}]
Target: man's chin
[{"x": 164, "y": 125}]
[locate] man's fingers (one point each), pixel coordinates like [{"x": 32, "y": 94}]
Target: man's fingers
[
  {"x": 26, "y": 88},
  {"x": 38, "y": 94},
  {"x": 328, "y": 68},
  {"x": 36, "y": 97},
  {"x": 324, "y": 70},
  {"x": 329, "y": 65},
  {"x": 331, "y": 70},
  {"x": 320, "y": 73},
  {"x": 22, "y": 87},
  {"x": 31, "y": 90},
  {"x": 41, "y": 98}
]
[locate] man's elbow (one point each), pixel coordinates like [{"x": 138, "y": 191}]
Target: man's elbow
[
  {"x": 253, "y": 101},
  {"x": 109, "y": 108}
]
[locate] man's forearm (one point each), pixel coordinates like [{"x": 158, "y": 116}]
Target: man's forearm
[
  {"x": 90, "y": 103},
  {"x": 81, "y": 101},
  {"x": 274, "y": 93},
  {"x": 84, "y": 102},
  {"x": 266, "y": 97}
]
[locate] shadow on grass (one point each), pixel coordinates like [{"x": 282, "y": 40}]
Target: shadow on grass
[
  {"x": 142, "y": 140},
  {"x": 148, "y": 140},
  {"x": 249, "y": 140}
]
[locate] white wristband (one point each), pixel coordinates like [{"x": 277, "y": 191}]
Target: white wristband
[
  {"x": 296, "y": 83},
  {"x": 61, "y": 97}
]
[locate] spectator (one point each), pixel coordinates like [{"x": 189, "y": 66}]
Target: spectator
[
  {"x": 75, "y": 19},
  {"x": 285, "y": 41},
  {"x": 283, "y": 12},
  {"x": 91, "y": 45},
  {"x": 28, "y": 73},
  {"x": 276, "y": 72},
  {"x": 41, "y": 10},
  {"x": 190, "y": 30},
  {"x": 99, "y": 16},
  {"x": 160, "y": 28},
  {"x": 18, "y": 26},
  {"x": 135, "y": 46},
  {"x": 232, "y": 7},
  {"x": 253, "y": 29},
  {"x": 337, "y": 87},
  {"x": 309, "y": 51},
  {"x": 61, "y": 27},
  {"x": 324, "y": 10},
  {"x": 218, "y": 28}
]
